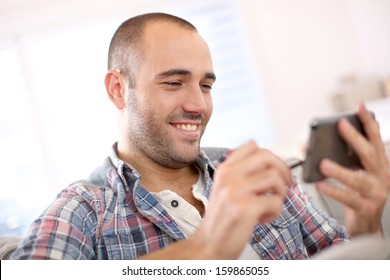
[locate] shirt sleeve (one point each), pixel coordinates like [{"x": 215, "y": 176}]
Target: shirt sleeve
[
  {"x": 66, "y": 230},
  {"x": 318, "y": 229}
]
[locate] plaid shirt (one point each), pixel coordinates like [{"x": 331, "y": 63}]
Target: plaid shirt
[{"x": 111, "y": 216}]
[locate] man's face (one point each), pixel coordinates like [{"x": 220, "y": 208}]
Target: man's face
[{"x": 171, "y": 104}]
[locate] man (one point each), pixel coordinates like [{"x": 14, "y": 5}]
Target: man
[{"x": 159, "y": 197}]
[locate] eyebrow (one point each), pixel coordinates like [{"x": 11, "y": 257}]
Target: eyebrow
[
  {"x": 210, "y": 75},
  {"x": 183, "y": 72}
]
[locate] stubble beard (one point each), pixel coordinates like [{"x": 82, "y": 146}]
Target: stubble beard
[{"x": 152, "y": 140}]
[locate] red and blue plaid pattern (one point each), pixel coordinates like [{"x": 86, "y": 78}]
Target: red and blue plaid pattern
[{"x": 111, "y": 216}]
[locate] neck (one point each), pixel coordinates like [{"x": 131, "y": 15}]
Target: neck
[{"x": 155, "y": 177}]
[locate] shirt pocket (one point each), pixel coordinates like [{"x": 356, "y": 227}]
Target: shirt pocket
[
  {"x": 288, "y": 236},
  {"x": 121, "y": 244}
]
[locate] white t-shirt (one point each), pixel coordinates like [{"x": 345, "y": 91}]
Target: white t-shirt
[{"x": 187, "y": 217}]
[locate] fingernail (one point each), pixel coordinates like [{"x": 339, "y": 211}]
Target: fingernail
[
  {"x": 362, "y": 107},
  {"x": 345, "y": 124},
  {"x": 229, "y": 152},
  {"x": 326, "y": 166},
  {"x": 320, "y": 186}
]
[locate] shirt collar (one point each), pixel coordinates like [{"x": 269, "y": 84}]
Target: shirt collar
[{"x": 129, "y": 174}]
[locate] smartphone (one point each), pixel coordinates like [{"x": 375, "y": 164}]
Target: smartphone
[{"x": 325, "y": 142}]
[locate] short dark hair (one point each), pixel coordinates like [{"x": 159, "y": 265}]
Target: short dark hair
[{"x": 125, "y": 51}]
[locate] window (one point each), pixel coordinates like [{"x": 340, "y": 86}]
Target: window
[
  {"x": 57, "y": 124},
  {"x": 240, "y": 109},
  {"x": 24, "y": 178}
]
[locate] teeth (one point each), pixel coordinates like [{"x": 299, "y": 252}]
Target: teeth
[{"x": 187, "y": 127}]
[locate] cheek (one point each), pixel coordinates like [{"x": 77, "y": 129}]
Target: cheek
[
  {"x": 158, "y": 111},
  {"x": 210, "y": 107},
  {"x": 165, "y": 106}
]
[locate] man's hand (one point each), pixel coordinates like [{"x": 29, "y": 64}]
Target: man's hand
[
  {"x": 366, "y": 191},
  {"x": 249, "y": 187}
]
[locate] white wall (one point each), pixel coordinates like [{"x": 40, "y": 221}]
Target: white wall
[
  {"x": 304, "y": 47},
  {"x": 372, "y": 28}
]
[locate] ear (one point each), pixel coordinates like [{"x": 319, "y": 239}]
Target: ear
[{"x": 115, "y": 86}]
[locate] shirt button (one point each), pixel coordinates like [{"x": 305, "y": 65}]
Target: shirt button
[
  {"x": 292, "y": 212},
  {"x": 141, "y": 253},
  {"x": 257, "y": 237},
  {"x": 174, "y": 203}
]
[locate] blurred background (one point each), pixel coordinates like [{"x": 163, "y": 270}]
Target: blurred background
[{"x": 279, "y": 64}]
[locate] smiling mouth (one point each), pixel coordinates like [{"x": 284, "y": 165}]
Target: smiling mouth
[{"x": 187, "y": 127}]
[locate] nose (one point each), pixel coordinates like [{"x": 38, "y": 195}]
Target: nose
[{"x": 195, "y": 101}]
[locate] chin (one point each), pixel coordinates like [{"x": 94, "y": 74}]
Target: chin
[{"x": 188, "y": 153}]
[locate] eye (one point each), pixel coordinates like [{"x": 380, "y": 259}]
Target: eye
[
  {"x": 173, "y": 84},
  {"x": 206, "y": 86}
]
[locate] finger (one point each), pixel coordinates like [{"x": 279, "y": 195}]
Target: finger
[
  {"x": 345, "y": 196},
  {"x": 268, "y": 182},
  {"x": 234, "y": 165},
  {"x": 372, "y": 130},
  {"x": 266, "y": 208},
  {"x": 366, "y": 152},
  {"x": 249, "y": 159},
  {"x": 358, "y": 180},
  {"x": 242, "y": 151},
  {"x": 264, "y": 159},
  {"x": 371, "y": 126},
  {"x": 260, "y": 160}
]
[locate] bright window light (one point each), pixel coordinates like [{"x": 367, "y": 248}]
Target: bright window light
[{"x": 57, "y": 123}]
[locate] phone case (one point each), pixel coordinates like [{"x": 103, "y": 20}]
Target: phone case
[{"x": 325, "y": 142}]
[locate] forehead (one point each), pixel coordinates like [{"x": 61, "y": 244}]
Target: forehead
[{"x": 166, "y": 44}]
